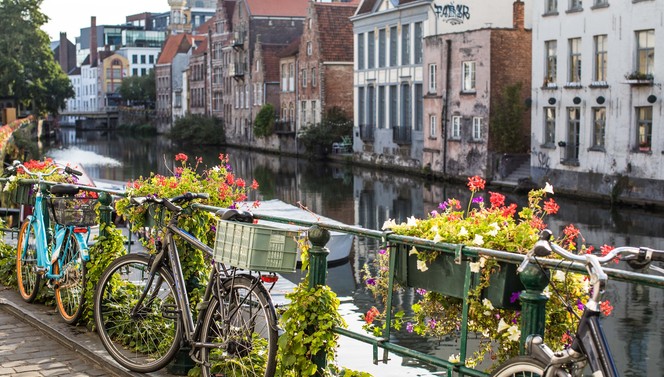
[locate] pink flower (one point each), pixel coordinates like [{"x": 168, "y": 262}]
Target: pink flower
[{"x": 181, "y": 157}]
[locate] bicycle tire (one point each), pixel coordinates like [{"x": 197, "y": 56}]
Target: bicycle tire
[
  {"x": 520, "y": 366},
  {"x": 70, "y": 288},
  {"x": 250, "y": 347},
  {"x": 146, "y": 341},
  {"x": 28, "y": 279}
]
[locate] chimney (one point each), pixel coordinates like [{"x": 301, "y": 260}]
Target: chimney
[
  {"x": 518, "y": 14},
  {"x": 63, "y": 57},
  {"x": 93, "y": 41}
]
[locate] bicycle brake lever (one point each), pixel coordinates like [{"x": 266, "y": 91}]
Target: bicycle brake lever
[{"x": 525, "y": 262}]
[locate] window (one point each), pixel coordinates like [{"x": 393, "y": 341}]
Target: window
[
  {"x": 151, "y": 59},
  {"x": 134, "y": 59},
  {"x": 310, "y": 49},
  {"x": 599, "y": 127},
  {"x": 314, "y": 110},
  {"x": 575, "y": 60},
  {"x": 433, "y": 126},
  {"x": 550, "y": 48},
  {"x": 571, "y": 152},
  {"x": 405, "y": 44},
  {"x": 550, "y": 126},
  {"x": 645, "y": 51},
  {"x": 303, "y": 117},
  {"x": 360, "y": 51},
  {"x": 433, "y": 69},
  {"x": 598, "y": 3},
  {"x": 381, "y": 107},
  {"x": 393, "y": 46},
  {"x": 456, "y": 127},
  {"x": 142, "y": 59},
  {"x": 291, "y": 77},
  {"x": 381, "y": 48},
  {"x": 468, "y": 84},
  {"x": 419, "y": 107},
  {"x": 284, "y": 78},
  {"x": 600, "y": 58},
  {"x": 418, "y": 43},
  {"x": 477, "y": 128},
  {"x": 371, "y": 50},
  {"x": 304, "y": 78},
  {"x": 144, "y": 71},
  {"x": 551, "y": 6},
  {"x": 134, "y": 72},
  {"x": 644, "y": 128},
  {"x": 575, "y": 4},
  {"x": 360, "y": 105},
  {"x": 393, "y": 107},
  {"x": 371, "y": 106},
  {"x": 406, "y": 106},
  {"x": 313, "y": 77}
]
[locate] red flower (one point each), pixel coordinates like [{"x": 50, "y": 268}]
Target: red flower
[
  {"x": 230, "y": 179},
  {"x": 496, "y": 199},
  {"x": 537, "y": 223},
  {"x": 510, "y": 210},
  {"x": 571, "y": 231},
  {"x": 181, "y": 157},
  {"x": 254, "y": 185},
  {"x": 240, "y": 182},
  {"x": 551, "y": 207},
  {"x": 606, "y": 308},
  {"x": 605, "y": 249},
  {"x": 476, "y": 183},
  {"x": 371, "y": 315},
  {"x": 567, "y": 339}
]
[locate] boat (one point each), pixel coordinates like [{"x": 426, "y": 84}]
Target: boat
[{"x": 339, "y": 244}]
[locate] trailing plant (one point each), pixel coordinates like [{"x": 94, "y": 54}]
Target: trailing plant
[
  {"x": 265, "y": 119},
  {"x": 492, "y": 225}
]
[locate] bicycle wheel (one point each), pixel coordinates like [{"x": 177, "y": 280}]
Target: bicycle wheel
[
  {"x": 70, "y": 288},
  {"x": 141, "y": 338},
  {"x": 26, "y": 262},
  {"x": 243, "y": 329},
  {"x": 520, "y": 366}
]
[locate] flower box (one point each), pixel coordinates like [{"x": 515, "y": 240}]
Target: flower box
[
  {"x": 445, "y": 276},
  {"x": 24, "y": 194}
]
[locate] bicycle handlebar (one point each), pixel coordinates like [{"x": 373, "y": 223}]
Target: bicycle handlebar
[
  {"x": 169, "y": 203},
  {"x": 17, "y": 164}
]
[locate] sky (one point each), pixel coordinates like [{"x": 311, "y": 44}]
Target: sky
[{"x": 70, "y": 16}]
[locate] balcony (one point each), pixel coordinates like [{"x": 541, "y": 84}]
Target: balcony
[
  {"x": 367, "y": 132},
  {"x": 401, "y": 135},
  {"x": 236, "y": 71},
  {"x": 238, "y": 39}
]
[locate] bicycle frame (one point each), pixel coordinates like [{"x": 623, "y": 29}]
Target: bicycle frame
[{"x": 44, "y": 260}]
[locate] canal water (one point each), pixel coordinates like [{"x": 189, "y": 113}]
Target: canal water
[{"x": 367, "y": 198}]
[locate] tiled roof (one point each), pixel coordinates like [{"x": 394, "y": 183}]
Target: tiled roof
[
  {"x": 291, "y": 50},
  {"x": 206, "y": 26},
  {"x": 335, "y": 30},
  {"x": 286, "y": 8},
  {"x": 202, "y": 47},
  {"x": 175, "y": 44}
]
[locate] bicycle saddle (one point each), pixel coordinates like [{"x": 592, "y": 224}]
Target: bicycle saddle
[
  {"x": 236, "y": 215},
  {"x": 64, "y": 189}
]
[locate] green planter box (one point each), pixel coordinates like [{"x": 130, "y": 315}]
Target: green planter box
[
  {"x": 445, "y": 276},
  {"x": 24, "y": 194}
]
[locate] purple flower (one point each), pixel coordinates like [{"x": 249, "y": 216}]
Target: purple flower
[
  {"x": 382, "y": 251},
  {"x": 515, "y": 297},
  {"x": 409, "y": 327},
  {"x": 213, "y": 228},
  {"x": 421, "y": 291},
  {"x": 478, "y": 199},
  {"x": 432, "y": 324},
  {"x": 442, "y": 206},
  {"x": 434, "y": 213},
  {"x": 579, "y": 304},
  {"x": 371, "y": 281}
]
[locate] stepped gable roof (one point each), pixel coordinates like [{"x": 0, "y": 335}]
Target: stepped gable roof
[
  {"x": 175, "y": 44},
  {"x": 291, "y": 49},
  {"x": 286, "y": 8},
  {"x": 335, "y": 30}
]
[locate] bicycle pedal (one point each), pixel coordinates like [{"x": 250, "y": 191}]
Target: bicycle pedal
[{"x": 170, "y": 311}]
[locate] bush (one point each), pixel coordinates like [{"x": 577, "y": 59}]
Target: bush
[
  {"x": 198, "y": 129},
  {"x": 318, "y": 138},
  {"x": 264, "y": 123}
]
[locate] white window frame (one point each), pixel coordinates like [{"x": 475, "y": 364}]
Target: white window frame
[
  {"x": 433, "y": 72},
  {"x": 433, "y": 126},
  {"x": 601, "y": 57},
  {"x": 477, "y": 128},
  {"x": 551, "y": 6},
  {"x": 645, "y": 53},
  {"x": 456, "y": 127},
  {"x": 310, "y": 49},
  {"x": 468, "y": 72},
  {"x": 575, "y": 62}
]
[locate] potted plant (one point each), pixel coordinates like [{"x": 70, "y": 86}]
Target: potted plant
[
  {"x": 639, "y": 78},
  {"x": 490, "y": 224}
]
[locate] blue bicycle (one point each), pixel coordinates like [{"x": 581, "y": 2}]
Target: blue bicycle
[{"x": 56, "y": 252}]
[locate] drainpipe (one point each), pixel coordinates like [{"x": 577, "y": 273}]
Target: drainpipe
[{"x": 446, "y": 105}]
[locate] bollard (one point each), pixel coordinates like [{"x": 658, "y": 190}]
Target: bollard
[
  {"x": 318, "y": 275},
  {"x": 533, "y": 302},
  {"x": 105, "y": 210}
]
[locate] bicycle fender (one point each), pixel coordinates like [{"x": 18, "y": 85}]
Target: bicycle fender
[{"x": 83, "y": 246}]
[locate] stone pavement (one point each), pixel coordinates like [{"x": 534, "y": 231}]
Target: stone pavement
[{"x": 34, "y": 341}]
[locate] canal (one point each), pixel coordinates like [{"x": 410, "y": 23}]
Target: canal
[{"x": 367, "y": 198}]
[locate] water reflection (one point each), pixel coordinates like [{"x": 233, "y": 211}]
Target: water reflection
[{"x": 367, "y": 198}]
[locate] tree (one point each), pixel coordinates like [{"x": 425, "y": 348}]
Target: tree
[
  {"x": 28, "y": 70},
  {"x": 318, "y": 138},
  {"x": 140, "y": 90},
  {"x": 507, "y": 121},
  {"x": 264, "y": 123}
]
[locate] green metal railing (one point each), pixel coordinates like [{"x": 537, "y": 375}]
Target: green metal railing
[{"x": 533, "y": 301}]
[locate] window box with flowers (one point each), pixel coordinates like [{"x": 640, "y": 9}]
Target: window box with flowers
[
  {"x": 493, "y": 300},
  {"x": 637, "y": 78}
]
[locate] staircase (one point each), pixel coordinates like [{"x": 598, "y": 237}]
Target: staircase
[{"x": 518, "y": 176}]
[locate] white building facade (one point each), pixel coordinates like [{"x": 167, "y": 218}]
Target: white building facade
[
  {"x": 141, "y": 59},
  {"x": 597, "y": 98}
]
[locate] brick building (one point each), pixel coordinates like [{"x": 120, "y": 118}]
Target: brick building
[
  {"x": 465, "y": 75},
  {"x": 220, "y": 38},
  {"x": 287, "y": 96}
]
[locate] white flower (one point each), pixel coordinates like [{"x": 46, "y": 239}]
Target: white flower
[
  {"x": 411, "y": 221},
  {"x": 514, "y": 333},
  {"x": 216, "y": 169},
  {"x": 422, "y": 265},
  {"x": 413, "y": 251},
  {"x": 485, "y": 333},
  {"x": 475, "y": 267},
  {"x": 6, "y": 188},
  {"x": 463, "y": 232},
  {"x": 437, "y": 238},
  {"x": 487, "y": 303},
  {"x": 13, "y": 178},
  {"x": 494, "y": 231},
  {"x": 455, "y": 358},
  {"x": 502, "y": 326},
  {"x": 389, "y": 224},
  {"x": 547, "y": 292},
  {"x": 559, "y": 275},
  {"x": 548, "y": 188},
  {"x": 482, "y": 261},
  {"x": 478, "y": 240}
]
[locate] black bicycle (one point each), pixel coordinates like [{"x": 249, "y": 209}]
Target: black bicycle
[
  {"x": 589, "y": 347},
  {"x": 143, "y": 316}
]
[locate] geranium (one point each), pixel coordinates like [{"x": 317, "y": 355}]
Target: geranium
[
  {"x": 39, "y": 166},
  {"x": 494, "y": 225}
]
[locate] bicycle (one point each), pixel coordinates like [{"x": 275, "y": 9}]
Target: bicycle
[
  {"x": 57, "y": 253},
  {"x": 589, "y": 346},
  {"x": 142, "y": 310}
]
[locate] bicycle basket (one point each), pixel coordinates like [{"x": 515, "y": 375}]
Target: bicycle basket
[
  {"x": 24, "y": 194},
  {"x": 255, "y": 247},
  {"x": 73, "y": 211}
]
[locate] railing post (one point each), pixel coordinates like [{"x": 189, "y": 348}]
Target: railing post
[
  {"x": 318, "y": 275},
  {"x": 105, "y": 210},
  {"x": 533, "y": 302}
]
